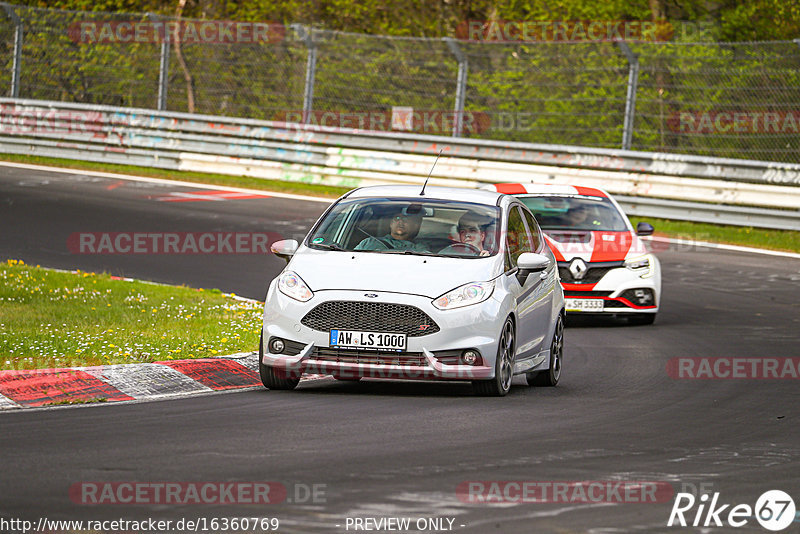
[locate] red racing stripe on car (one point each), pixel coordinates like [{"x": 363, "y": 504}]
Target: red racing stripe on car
[
  {"x": 611, "y": 246},
  {"x": 589, "y": 191},
  {"x": 216, "y": 373},
  {"x": 554, "y": 247},
  {"x": 40, "y": 387},
  {"x": 511, "y": 189}
]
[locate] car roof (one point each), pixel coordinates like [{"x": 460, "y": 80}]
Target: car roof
[
  {"x": 489, "y": 198},
  {"x": 548, "y": 189}
]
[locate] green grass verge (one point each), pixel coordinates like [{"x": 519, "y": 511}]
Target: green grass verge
[
  {"x": 297, "y": 188},
  {"x": 734, "y": 235},
  {"x": 56, "y": 319},
  {"x": 745, "y": 236}
]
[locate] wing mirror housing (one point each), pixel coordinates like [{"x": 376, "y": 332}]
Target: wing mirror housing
[
  {"x": 285, "y": 248},
  {"x": 644, "y": 228},
  {"x": 531, "y": 262}
]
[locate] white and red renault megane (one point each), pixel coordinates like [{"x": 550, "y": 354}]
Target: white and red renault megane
[{"x": 605, "y": 267}]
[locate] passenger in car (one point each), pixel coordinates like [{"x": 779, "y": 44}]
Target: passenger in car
[
  {"x": 472, "y": 231},
  {"x": 580, "y": 217},
  {"x": 404, "y": 226}
]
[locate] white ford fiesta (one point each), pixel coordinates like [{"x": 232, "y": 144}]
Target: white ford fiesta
[
  {"x": 403, "y": 282},
  {"x": 605, "y": 267}
]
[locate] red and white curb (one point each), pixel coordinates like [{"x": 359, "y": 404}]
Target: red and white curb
[{"x": 129, "y": 382}]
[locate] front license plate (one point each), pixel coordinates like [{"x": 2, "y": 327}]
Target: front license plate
[
  {"x": 354, "y": 339},
  {"x": 584, "y": 305}
]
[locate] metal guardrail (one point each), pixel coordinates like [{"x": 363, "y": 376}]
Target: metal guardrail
[{"x": 726, "y": 191}]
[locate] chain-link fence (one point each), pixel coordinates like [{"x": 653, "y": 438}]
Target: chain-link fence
[{"x": 739, "y": 100}]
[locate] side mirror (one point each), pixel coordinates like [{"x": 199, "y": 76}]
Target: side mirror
[
  {"x": 530, "y": 262},
  {"x": 644, "y": 228},
  {"x": 285, "y": 249}
]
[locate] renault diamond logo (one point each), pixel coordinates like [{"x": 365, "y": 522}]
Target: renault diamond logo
[{"x": 578, "y": 268}]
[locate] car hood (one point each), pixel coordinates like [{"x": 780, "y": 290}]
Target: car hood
[
  {"x": 399, "y": 273},
  {"x": 594, "y": 246}
]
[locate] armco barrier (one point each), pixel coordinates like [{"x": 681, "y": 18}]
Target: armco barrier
[{"x": 739, "y": 192}]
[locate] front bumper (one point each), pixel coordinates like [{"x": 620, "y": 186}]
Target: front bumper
[
  {"x": 427, "y": 356},
  {"x": 620, "y": 290}
]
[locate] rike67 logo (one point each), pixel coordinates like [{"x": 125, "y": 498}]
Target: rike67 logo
[{"x": 774, "y": 510}]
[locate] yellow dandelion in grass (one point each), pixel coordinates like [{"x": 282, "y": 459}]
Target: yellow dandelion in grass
[
  {"x": 224, "y": 340},
  {"x": 112, "y": 345},
  {"x": 214, "y": 351}
]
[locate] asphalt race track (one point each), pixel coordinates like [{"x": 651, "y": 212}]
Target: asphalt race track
[{"x": 378, "y": 449}]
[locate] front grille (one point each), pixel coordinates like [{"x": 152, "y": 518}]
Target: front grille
[
  {"x": 370, "y": 317},
  {"x": 593, "y": 275},
  {"x": 368, "y": 356}
]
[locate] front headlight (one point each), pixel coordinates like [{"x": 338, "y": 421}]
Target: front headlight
[
  {"x": 466, "y": 295},
  {"x": 291, "y": 285},
  {"x": 642, "y": 265}
]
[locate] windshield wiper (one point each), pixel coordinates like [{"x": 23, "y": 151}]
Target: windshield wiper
[{"x": 329, "y": 246}]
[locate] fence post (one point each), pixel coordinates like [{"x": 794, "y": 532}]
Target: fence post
[
  {"x": 461, "y": 86},
  {"x": 163, "y": 68},
  {"x": 305, "y": 33},
  {"x": 630, "y": 100},
  {"x": 17, "y": 63}
]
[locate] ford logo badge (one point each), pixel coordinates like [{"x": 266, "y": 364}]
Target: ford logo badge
[{"x": 371, "y": 295}]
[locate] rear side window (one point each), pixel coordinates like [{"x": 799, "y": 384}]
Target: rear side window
[{"x": 536, "y": 234}]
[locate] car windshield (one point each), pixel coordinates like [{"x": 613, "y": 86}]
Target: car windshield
[
  {"x": 571, "y": 212},
  {"x": 408, "y": 226}
]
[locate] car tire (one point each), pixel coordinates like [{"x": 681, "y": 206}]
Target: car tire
[
  {"x": 500, "y": 385},
  {"x": 273, "y": 378},
  {"x": 642, "y": 319},
  {"x": 552, "y": 375}
]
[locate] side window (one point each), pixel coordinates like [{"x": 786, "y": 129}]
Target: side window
[
  {"x": 533, "y": 226},
  {"x": 517, "y": 240}
]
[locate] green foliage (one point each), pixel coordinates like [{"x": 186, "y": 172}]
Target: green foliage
[{"x": 546, "y": 92}]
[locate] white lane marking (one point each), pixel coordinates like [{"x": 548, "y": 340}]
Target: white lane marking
[
  {"x": 165, "y": 182},
  {"x": 721, "y": 246},
  {"x": 7, "y": 404},
  {"x": 143, "y": 380}
]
